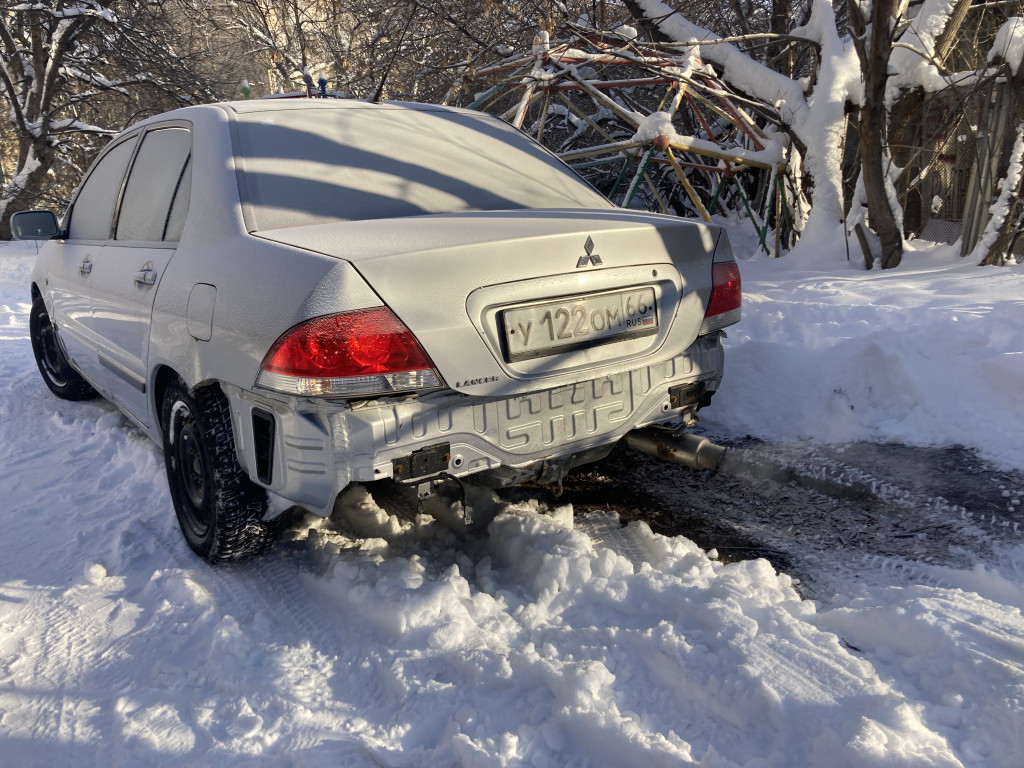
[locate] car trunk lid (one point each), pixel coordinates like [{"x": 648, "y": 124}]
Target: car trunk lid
[{"x": 510, "y": 302}]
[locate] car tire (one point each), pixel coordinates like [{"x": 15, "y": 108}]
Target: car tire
[
  {"x": 220, "y": 510},
  {"x": 63, "y": 380}
]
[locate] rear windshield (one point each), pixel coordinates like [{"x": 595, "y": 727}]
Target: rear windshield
[{"x": 300, "y": 167}]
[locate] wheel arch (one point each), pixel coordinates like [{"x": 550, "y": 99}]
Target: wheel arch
[{"x": 163, "y": 377}]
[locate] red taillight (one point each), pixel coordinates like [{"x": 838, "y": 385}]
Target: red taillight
[
  {"x": 360, "y": 343},
  {"x": 726, "y": 294},
  {"x": 726, "y": 297},
  {"x": 367, "y": 351}
]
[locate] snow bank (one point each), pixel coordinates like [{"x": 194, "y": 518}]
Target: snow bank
[
  {"x": 538, "y": 645},
  {"x": 929, "y": 354},
  {"x": 913, "y": 639}
]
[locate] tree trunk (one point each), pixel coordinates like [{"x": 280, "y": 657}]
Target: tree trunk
[
  {"x": 1008, "y": 233},
  {"x": 780, "y": 54},
  {"x": 874, "y": 45},
  {"x": 21, "y": 191}
]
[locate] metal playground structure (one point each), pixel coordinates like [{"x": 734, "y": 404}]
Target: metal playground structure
[{"x": 650, "y": 125}]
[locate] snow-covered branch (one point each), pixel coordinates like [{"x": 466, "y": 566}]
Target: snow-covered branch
[{"x": 736, "y": 67}]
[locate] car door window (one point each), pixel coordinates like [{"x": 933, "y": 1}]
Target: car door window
[
  {"x": 154, "y": 178},
  {"x": 94, "y": 206}
]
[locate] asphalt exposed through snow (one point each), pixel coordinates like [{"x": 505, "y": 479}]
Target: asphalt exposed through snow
[{"x": 826, "y": 516}]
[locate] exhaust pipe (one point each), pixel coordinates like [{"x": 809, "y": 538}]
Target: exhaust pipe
[{"x": 689, "y": 450}]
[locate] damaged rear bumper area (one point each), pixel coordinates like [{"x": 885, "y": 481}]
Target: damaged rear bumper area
[{"x": 308, "y": 450}]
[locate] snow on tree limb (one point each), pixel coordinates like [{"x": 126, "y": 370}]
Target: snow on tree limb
[
  {"x": 1009, "y": 44},
  {"x": 89, "y": 9},
  {"x": 815, "y": 119},
  {"x": 813, "y": 110},
  {"x": 736, "y": 67},
  {"x": 78, "y": 126}
]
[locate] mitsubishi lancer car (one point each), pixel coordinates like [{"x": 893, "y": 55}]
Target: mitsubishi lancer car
[{"x": 292, "y": 296}]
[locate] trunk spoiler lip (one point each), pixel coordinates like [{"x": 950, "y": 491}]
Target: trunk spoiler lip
[{"x": 405, "y": 235}]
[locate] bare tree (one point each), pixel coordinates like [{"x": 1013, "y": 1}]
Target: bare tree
[
  {"x": 397, "y": 49},
  {"x": 75, "y": 71}
]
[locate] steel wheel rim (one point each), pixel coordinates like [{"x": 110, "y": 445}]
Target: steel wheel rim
[
  {"x": 192, "y": 477},
  {"x": 53, "y": 359}
]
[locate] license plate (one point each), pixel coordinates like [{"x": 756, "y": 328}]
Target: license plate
[{"x": 577, "y": 322}]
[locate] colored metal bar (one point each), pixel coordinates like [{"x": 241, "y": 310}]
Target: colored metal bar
[
  {"x": 618, "y": 181},
  {"x": 596, "y": 163},
  {"x": 657, "y": 195},
  {"x": 601, "y": 149},
  {"x": 688, "y": 186},
  {"x": 635, "y": 184},
  {"x": 762, "y": 230},
  {"x": 601, "y": 84},
  {"x": 718, "y": 192}
]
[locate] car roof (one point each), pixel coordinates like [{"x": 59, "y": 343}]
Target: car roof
[
  {"x": 234, "y": 110},
  {"x": 275, "y": 105}
]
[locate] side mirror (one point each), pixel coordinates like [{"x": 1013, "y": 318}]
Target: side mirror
[{"x": 34, "y": 225}]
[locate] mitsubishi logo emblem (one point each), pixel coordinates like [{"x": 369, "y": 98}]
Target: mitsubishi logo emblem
[{"x": 591, "y": 257}]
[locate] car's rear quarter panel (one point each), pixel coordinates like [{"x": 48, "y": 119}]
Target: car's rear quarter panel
[{"x": 261, "y": 288}]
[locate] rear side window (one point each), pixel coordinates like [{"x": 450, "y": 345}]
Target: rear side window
[
  {"x": 153, "y": 192},
  {"x": 94, "y": 206}
]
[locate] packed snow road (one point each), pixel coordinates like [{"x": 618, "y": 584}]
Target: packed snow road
[{"x": 543, "y": 634}]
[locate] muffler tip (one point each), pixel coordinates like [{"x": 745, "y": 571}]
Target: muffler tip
[{"x": 689, "y": 450}]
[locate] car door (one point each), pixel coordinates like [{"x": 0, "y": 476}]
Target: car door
[
  {"x": 69, "y": 275},
  {"x": 126, "y": 275}
]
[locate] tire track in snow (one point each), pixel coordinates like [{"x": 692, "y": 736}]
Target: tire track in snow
[
  {"x": 827, "y": 522},
  {"x": 843, "y": 480},
  {"x": 274, "y": 606},
  {"x": 61, "y": 640}
]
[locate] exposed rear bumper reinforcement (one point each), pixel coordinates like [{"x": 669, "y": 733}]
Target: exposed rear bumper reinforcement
[{"x": 689, "y": 450}]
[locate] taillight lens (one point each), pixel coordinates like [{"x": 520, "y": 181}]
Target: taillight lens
[
  {"x": 726, "y": 297},
  {"x": 364, "y": 352}
]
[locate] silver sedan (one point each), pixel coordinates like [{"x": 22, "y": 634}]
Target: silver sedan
[{"x": 292, "y": 296}]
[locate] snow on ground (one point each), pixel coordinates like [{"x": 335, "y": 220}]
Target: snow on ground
[{"x": 402, "y": 639}]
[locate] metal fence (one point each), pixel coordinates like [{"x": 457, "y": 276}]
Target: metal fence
[{"x": 954, "y": 147}]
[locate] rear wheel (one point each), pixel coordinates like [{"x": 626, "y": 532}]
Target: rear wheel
[
  {"x": 220, "y": 510},
  {"x": 63, "y": 380}
]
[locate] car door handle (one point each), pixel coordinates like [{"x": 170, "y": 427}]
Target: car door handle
[
  {"x": 146, "y": 275},
  {"x": 86, "y": 267}
]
